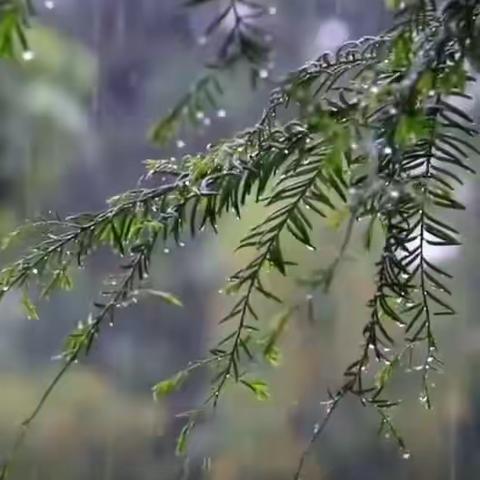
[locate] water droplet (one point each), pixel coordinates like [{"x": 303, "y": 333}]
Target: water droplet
[
  {"x": 394, "y": 193},
  {"x": 207, "y": 122},
  {"x": 200, "y": 115},
  {"x": 207, "y": 464},
  {"x": 49, "y": 4},
  {"x": 181, "y": 144},
  {"x": 110, "y": 324},
  {"x": 166, "y": 250},
  {"x": 263, "y": 73},
  {"x": 316, "y": 428},
  {"x": 202, "y": 40},
  {"x": 406, "y": 455},
  {"x": 28, "y": 55},
  {"x": 272, "y": 10},
  {"x": 374, "y": 89},
  {"x": 387, "y": 151},
  {"x": 222, "y": 113}
]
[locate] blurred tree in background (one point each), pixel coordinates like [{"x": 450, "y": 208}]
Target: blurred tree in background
[{"x": 89, "y": 79}]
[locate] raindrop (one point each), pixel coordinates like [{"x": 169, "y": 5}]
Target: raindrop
[
  {"x": 166, "y": 250},
  {"x": 272, "y": 10},
  {"x": 181, "y": 144},
  {"x": 406, "y": 455},
  {"x": 316, "y": 428},
  {"x": 200, "y": 115},
  {"x": 50, "y": 4},
  {"x": 263, "y": 73},
  {"x": 394, "y": 193},
  {"x": 387, "y": 151},
  {"x": 207, "y": 464},
  {"x": 34, "y": 271},
  {"x": 202, "y": 40},
  {"x": 207, "y": 122},
  {"x": 221, "y": 113},
  {"x": 28, "y": 55}
]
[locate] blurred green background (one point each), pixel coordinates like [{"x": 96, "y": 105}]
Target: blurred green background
[{"x": 73, "y": 133}]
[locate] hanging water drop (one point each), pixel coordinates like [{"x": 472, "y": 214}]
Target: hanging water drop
[
  {"x": 263, "y": 73},
  {"x": 28, "y": 55}
]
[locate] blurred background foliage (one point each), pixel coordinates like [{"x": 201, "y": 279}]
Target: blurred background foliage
[{"x": 75, "y": 114}]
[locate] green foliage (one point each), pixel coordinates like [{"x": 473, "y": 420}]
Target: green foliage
[
  {"x": 374, "y": 131},
  {"x": 13, "y": 23}
]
